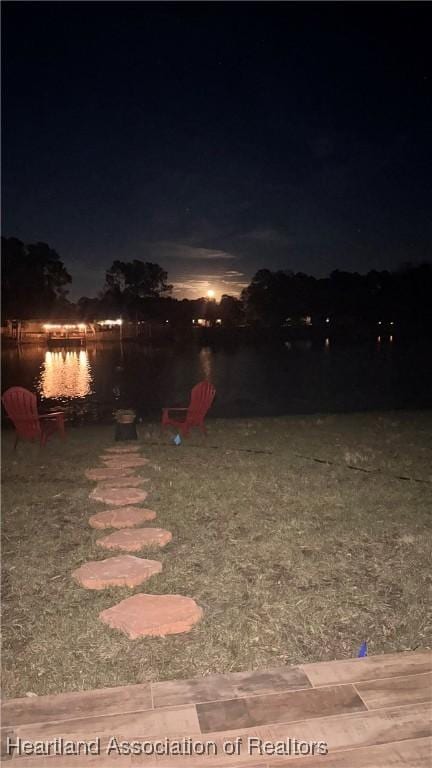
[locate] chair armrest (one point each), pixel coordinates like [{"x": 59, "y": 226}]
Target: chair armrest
[{"x": 174, "y": 409}]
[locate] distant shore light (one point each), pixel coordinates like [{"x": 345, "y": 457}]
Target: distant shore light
[
  {"x": 119, "y": 321},
  {"x": 64, "y": 326}
]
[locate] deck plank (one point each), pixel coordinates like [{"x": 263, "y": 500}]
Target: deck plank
[
  {"x": 68, "y": 706},
  {"x": 71, "y": 761},
  {"x": 369, "y": 668},
  {"x": 177, "y": 721},
  {"x": 339, "y": 733},
  {"x": 372, "y": 713},
  {"x": 278, "y": 707},
  {"x": 229, "y": 686},
  {"x": 406, "y": 754},
  {"x": 396, "y": 691}
]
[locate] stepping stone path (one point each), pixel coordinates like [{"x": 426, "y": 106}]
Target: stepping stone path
[
  {"x": 124, "y": 462},
  {"x": 134, "y": 539},
  {"x": 154, "y": 615},
  {"x": 122, "y": 571},
  {"x": 108, "y": 473},
  {"x": 122, "y": 517},
  {"x": 123, "y": 449},
  {"x": 118, "y": 497},
  {"x": 123, "y": 482}
]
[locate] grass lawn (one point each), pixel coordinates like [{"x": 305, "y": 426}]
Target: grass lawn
[{"x": 292, "y": 560}]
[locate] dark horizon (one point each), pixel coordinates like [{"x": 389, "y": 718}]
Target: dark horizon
[{"x": 216, "y": 140}]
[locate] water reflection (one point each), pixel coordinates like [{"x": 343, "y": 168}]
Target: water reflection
[
  {"x": 65, "y": 374},
  {"x": 206, "y": 362},
  {"x": 261, "y": 380}
]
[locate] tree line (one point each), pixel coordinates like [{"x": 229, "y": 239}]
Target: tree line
[{"x": 35, "y": 284}]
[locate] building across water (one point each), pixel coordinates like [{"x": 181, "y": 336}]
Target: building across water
[{"x": 67, "y": 332}]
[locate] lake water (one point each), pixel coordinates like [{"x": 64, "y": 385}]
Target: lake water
[{"x": 250, "y": 380}]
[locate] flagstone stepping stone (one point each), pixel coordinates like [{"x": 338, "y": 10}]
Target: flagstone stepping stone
[
  {"x": 123, "y": 482},
  {"x": 108, "y": 473},
  {"x": 121, "y": 571},
  {"x": 118, "y": 497},
  {"x": 122, "y": 517},
  {"x": 135, "y": 539},
  {"x": 153, "y": 615},
  {"x": 123, "y": 462},
  {"x": 123, "y": 448}
]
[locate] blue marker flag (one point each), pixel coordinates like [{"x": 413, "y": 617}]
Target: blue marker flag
[
  {"x": 363, "y": 650},
  {"x": 177, "y": 440}
]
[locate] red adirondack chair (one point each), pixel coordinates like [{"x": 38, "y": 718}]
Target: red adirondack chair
[
  {"x": 21, "y": 407},
  {"x": 202, "y": 396}
]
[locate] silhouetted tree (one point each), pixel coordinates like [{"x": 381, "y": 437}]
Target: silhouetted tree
[
  {"x": 231, "y": 311},
  {"x": 129, "y": 283},
  {"x": 93, "y": 308},
  {"x": 34, "y": 280},
  {"x": 411, "y": 296},
  {"x": 355, "y": 301},
  {"x": 272, "y": 297},
  {"x": 260, "y": 296}
]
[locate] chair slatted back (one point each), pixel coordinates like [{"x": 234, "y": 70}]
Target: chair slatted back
[
  {"x": 202, "y": 396},
  {"x": 21, "y": 407}
]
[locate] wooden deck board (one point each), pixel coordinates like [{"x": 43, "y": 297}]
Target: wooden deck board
[
  {"x": 147, "y": 724},
  {"x": 278, "y": 707},
  {"x": 340, "y": 733},
  {"x": 230, "y": 686},
  {"x": 371, "y": 713},
  {"x": 68, "y": 706},
  {"x": 405, "y": 754},
  {"x": 396, "y": 691},
  {"x": 369, "y": 668}
]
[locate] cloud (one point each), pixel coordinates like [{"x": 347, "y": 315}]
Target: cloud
[
  {"x": 192, "y": 288},
  {"x": 192, "y": 268},
  {"x": 193, "y": 285},
  {"x": 207, "y": 254},
  {"x": 187, "y": 264},
  {"x": 182, "y": 252}
]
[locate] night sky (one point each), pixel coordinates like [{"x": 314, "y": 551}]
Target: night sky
[{"x": 217, "y": 139}]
